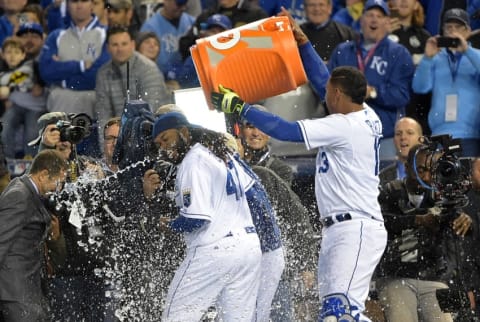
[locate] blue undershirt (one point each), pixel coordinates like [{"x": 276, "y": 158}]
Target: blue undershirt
[{"x": 272, "y": 124}]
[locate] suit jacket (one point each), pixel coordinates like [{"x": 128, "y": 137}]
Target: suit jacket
[{"x": 24, "y": 223}]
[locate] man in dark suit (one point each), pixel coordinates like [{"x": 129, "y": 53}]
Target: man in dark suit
[{"x": 24, "y": 226}]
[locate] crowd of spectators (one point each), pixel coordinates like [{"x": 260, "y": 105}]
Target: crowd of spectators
[{"x": 61, "y": 58}]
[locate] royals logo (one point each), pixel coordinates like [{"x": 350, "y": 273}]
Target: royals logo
[
  {"x": 186, "y": 197},
  {"x": 379, "y": 65},
  {"x": 91, "y": 50}
]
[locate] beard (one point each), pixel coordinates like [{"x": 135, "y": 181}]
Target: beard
[{"x": 177, "y": 153}]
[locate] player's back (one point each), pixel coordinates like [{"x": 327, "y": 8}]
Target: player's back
[{"x": 347, "y": 161}]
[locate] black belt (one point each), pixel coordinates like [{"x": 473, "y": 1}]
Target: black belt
[
  {"x": 328, "y": 221},
  {"x": 248, "y": 230}
]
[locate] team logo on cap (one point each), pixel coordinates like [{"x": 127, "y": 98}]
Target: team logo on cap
[{"x": 186, "y": 197}]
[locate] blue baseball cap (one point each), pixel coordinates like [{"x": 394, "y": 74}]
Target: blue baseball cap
[
  {"x": 181, "y": 2},
  {"x": 370, "y": 4},
  {"x": 167, "y": 121},
  {"x": 219, "y": 20},
  {"x": 30, "y": 27},
  {"x": 458, "y": 15}
]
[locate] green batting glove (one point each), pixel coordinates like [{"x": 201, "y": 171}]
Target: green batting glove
[{"x": 227, "y": 101}]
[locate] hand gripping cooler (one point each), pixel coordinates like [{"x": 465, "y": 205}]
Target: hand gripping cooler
[{"x": 257, "y": 60}]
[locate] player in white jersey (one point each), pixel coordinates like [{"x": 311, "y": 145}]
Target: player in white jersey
[
  {"x": 346, "y": 181},
  {"x": 222, "y": 263}
]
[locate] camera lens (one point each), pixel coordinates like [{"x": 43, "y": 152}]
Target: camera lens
[
  {"x": 72, "y": 134},
  {"x": 447, "y": 170}
]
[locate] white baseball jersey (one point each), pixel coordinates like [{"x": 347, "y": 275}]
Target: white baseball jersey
[
  {"x": 347, "y": 161},
  {"x": 222, "y": 264},
  {"x": 206, "y": 189}
]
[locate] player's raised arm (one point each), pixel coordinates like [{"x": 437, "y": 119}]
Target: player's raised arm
[
  {"x": 229, "y": 102},
  {"x": 315, "y": 68}
]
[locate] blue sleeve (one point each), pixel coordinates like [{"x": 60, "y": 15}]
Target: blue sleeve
[
  {"x": 91, "y": 73},
  {"x": 188, "y": 75},
  {"x": 333, "y": 61},
  {"x": 55, "y": 19},
  {"x": 432, "y": 19},
  {"x": 423, "y": 78},
  {"x": 52, "y": 71},
  {"x": 263, "y": 217},
  {"x": 272, "y": 124},
  {"x": 315, "y": 68},
  {"x": 6, "y": 29},
  {"x": 343, "y": 16},
  {"x": 183, "y": 224},
  {"x": 473, "y": 10},
  {"x": 271, "y": 7}
]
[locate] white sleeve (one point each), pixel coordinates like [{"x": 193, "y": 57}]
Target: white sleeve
[{"x": 333, "y": 130}]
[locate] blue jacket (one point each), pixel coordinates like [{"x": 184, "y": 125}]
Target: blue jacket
[
  {"x": 169, "y": 60},
  {"x": 436, "y": 75},
  {"x": 343, "y": 16},
  {"x": 6, "y": 28},
  {"x": 389, "y": 70},
  {"x": 433, "y": 19},
  {"x": 273, "y": 7},
  {"x": 57, "y": 17},
  {"x": 73, "y": 50}
]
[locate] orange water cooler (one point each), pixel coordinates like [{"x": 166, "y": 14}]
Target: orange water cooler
[{"x": 257, "y": 60}]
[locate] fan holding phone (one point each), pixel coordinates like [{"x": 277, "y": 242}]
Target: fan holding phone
[
  {"x": 450, "y": 70},
  {"x": 456, "y": 29}
]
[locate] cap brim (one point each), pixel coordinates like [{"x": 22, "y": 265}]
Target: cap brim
[
  {"x": 22, "y": 32},
  {"x": 218, "y": 25},
  {"x": 456, "y": 19},
  {"x": 35, "y": 142}
]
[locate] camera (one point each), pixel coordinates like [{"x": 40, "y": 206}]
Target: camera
[
  {"x": 450, "y": 176},
  {"x": 75, "y": 129},
  {"x": 449, "y": 42},
  {"x": 452, "y": 300}
]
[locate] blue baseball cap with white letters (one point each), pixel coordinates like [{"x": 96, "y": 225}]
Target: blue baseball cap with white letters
[
  {"x": 380, "y": 4},
  {"x": 219, "y": 20},
  {"x": 30, "y": 27}
]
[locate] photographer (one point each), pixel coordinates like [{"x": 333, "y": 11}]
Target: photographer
[
  {"x": 75, "y": 292},
  {"x": 48, "y": 134},
  {"x": 450, "y": 70},
  {"x": 424, "y": 252}
]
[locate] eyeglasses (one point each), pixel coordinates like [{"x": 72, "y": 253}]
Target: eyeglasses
[{"x": 110, "y": 139}]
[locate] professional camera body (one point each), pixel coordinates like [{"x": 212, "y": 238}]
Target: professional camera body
[
  {"x": 451, "y": 177},
  {"x": 75, "y": 129}
]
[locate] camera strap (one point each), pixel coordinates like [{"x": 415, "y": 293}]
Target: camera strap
[{"x": 454, "y": 63}]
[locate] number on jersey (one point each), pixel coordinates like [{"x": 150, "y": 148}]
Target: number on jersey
[{"x": 323, "y": 163}]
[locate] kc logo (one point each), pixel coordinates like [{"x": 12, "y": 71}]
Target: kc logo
[
  {"x": 91, "y": 50},
  {"x": 379, "y": 65}
]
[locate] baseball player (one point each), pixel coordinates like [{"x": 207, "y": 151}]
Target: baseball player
[
  {"x": 264, "y": 219},
  {"x": 222, "y": 263},
  {"x": 346, "y": 181}
]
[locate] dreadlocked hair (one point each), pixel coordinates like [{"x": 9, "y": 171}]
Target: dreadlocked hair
[{"x": 214, "y": 141}]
